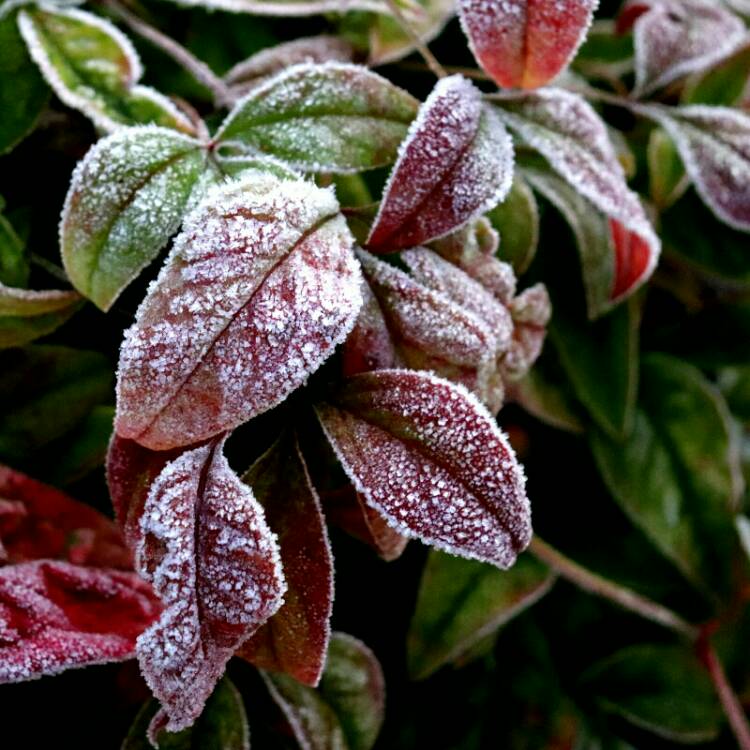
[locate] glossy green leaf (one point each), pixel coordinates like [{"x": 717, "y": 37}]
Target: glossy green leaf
[
  {"x": 23, "y": 92},
  {"x": 723, "y": 84},
  {"x": 667, "y": 179},
  {"x": 663, "y": 689},
  {"x": 462, "y": 601},
  {"x": 26, "y": 315},
  {"x": 126, "y": 199},
  {"x": 221, "y": 726},
  {"x": 44, "y": 392},
  {"x": 14, "y": 268},
  {"x": 333, "y": 117},
  {"x": 678, "y": 474}
]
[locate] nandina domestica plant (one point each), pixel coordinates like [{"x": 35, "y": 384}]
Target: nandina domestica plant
[{"x": 334, "y": 330}]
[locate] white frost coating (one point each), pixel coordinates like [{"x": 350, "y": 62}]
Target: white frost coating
[
  {"x": 181, "y": 120},
  {"x": 290, "y": 7}
]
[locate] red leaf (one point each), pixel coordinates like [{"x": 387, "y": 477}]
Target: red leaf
[
  {"x": 56, "y": 616},
  {"x": 456, "y": 163},
  {"x": 525, "y": 43},
  {"x": 632, "y": 255},
  {"x": 295, "y": 639},
  {"x": 258, "y": 290},
  {"x": 38, "y": 521},
  {"x": 531, "y": 311},
  {"x": 427, "y": 456},
  {"x": 214, "y": 563}
]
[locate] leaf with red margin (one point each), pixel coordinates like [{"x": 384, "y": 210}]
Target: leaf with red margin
[
  {"x": 214, "y": 563},
  {"x": 714, "y": 144},
  {"x": 430, "y": 458},
  {"x": 260, "y": 286},
  {"x": 41, "y": 522},
  {"x": 56, "y": 616},
  {"x": 455, "y": 163},
  {"x": 570, "y": 135},
  {"x": 525, "y": 43},
  {"x": 295, "y": 639}
]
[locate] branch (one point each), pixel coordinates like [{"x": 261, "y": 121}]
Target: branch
[{"x": 421, "y": 47}]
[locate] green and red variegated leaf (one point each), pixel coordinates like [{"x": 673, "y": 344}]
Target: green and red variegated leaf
[
  {"x": 259, "y": 288},
  {"x": 429, "y": 457},
  {"x": 38, "y": 521},
  {"x": 295, "y": 639},
  {"x": 525, "y": 43},
  {"x": 56, "y": 616},
  {"x": 456, "y": 163},
  {"x": 214, "y": 563}
]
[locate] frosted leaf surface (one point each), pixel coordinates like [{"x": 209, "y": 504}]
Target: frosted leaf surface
[
  {"x": 429, "y": 331},
  {"x": 429, "y": 457},
  {"x": 322, "y": 118},
  {"x": 525, "y": 43},
  {"x": 531, "y": 311},
  {"x": 675, "y": 38},
  {"x": 126, "y": 199},
  {"x": 456, "y": 162},
  {"x": 573, "y": 139},
  {"x": 259, "y": 288},
  {"x": 47, "y": 523},
  {"x": 94, "y": 68},
  {"x": 26, "y": 314},
  {"x": 214, "y": 563},
  {"x": 295, "y": 639},
  {"x": 56, "y": 616},
  {"x": 714, "y": 144},
  {"x": 284, "y": 8}
]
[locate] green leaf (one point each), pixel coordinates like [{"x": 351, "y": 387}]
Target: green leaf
[
  {"x": 126, "y": 199},
  {"x": 734, "y": 383},
  {"x": 14, "y": 268},
  {"x": 661, "y": 688},
  {"x": 517, "y": 221},
  {"x": 667, "y": 178},
  {"x": 27, "y": 315},
  {"x": 23, "y": 92},
  {"x": 94, "y": 68},
  {"x": 678, "y": 475},
  {"x": 462, "y": 601},
  {"x": 547, "y": 400},
  {"x": 331, "y": 118},
  {"x": 221, "y": 726},
  {"x": 605, "y": 53},
  {"x": 44, "y": 392},
  {"x": 723, "y": 84}
]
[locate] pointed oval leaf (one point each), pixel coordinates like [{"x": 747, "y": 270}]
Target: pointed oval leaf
[
  {"x": 322, "y": 118},
  {"x": 292, "y": 8},
  {"x": 126, "y": 199},
  {"x": 460, "y": 602},
  {"x": 26, "y": 315},
  {"x": 14, "y": 265},
  {"x": 214, "y": 563},
  {"x": 295, "y": 639},
  {"x": 456, "y": 162},
  {"x": 56, "y": 616},
  {"x": 525, "y": 43},
  {"x": 259, "y": 288},
  {"x": 714, "y": 143},
  {"x": 667, "y": 178},
  {"x": 430, "y": 458}
]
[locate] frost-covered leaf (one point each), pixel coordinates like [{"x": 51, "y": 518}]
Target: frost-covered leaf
[
  {"x": 272, "y": 60},
  {"x": 291, "y": 7},
  {"x": 431, "y": 460},
  {"x": 26, "y": 315},
  {"x": 460, "y": 602},
  {"x": 429, "y": 331},
  {"x": 295, "y": 639},
  {"x": 714, "y": 143},
  {"x": 570, "y": 135},
  {"x": 94, "y": 68},
  {"x": 322, "y": 118},
  {"x": 525, "y": 43},
  {"x": 56, "y": 616},
  {"x": 48, "y": 523},
  {"x": 530, "y": 311},
  {"x": 214, "y": 563},
  {"x": 353, "y": 686},
  {"x": 222, "y": 725},
  {"x": 23, "y": 92},
  {"x": 126, "y": 199},
  {"x": 676, "y": 37},
  {"x": 259, "y": 288},
  {"x": 456, "y": 162}
]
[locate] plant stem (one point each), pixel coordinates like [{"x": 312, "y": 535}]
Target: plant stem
[
  {"x": 421, "y": 47},
  {"x": 474, "y": 73},
  {"x": 620, "y": 595},
  {"x": 223, "y": 97}
]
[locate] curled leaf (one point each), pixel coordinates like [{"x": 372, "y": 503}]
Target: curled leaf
[
  {"x": 525, "y": 43},
  {"x": 56, "y": 616},
  {"x": 26, "y": 315},
  {"x": 259, "y": 288},
  {"x": 456, "y": 162},
  {"x": 530, "y": 311},
  {"x": 426, "y": 455}
]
